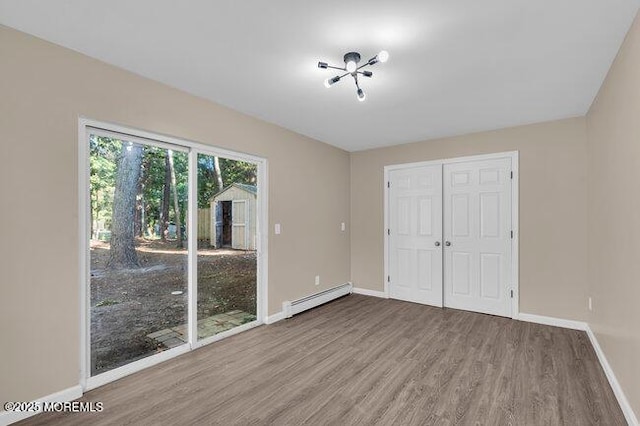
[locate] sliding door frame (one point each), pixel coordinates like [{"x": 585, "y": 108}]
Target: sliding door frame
[
  {"x": 85, "y": 125},
  {"x": 515, "y": 244}
]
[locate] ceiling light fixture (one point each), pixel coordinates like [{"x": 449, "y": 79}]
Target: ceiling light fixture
[{"x": 351, "y": 61}]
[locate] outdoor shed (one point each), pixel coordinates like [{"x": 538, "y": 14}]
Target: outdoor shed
[{"x": 233, "y": 217}]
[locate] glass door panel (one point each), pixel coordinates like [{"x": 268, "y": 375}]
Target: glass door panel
[
  {"x": 138, "y": 250},
  {"x": 227, "y": 263}
]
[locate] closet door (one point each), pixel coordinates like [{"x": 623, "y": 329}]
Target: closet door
[
  {"x": 477, "y": 233},
  {"x": 415, "y": 235}
]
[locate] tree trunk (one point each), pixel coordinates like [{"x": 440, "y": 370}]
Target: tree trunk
[
  {"x": 176, "y": 205},
  {"x": 141, "y": 217},
  {"x": 123, "y": 252},
  {"x": 137, "y": 225},
  {"x": 216, "y": 167},
  {"x": 166, "y": 194},
  {"x": 92, "y": 214}
]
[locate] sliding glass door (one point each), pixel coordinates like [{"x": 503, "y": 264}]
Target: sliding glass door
[
  {"x": 227, "y": 264},
  {"x": 138, "y": 255},
  {"x": 172, "y": 245}
]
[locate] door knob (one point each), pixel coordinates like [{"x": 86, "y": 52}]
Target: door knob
[
  {"x": 447, "y": 243},
  {"x": 437, "y": 243}
]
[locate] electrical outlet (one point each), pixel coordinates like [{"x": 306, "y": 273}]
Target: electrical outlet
[
  {"x": 343, "y": 226},
  {"x": 317, "y": 279},
  {"x": 590, "y": 304},
  {"x": 277, "y": 229}
]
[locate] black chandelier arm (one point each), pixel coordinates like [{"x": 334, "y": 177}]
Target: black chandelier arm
[
  {"x": 366, "y": 64},
  {"x": 325, "y": 65},
  {"x": 371, "y": 61}
]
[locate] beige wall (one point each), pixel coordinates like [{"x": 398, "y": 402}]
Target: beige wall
[
  {"x": 43, "y": 90},
  {"x": 553, "y": 198},
  {"x": 613, "y": 125}
]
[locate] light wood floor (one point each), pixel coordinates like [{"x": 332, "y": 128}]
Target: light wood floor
[{"x": 363, "y": 360}]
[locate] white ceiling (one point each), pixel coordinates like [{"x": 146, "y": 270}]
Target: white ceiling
[{"x": 455, "y": 66}]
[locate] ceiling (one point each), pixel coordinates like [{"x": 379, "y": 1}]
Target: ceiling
[{"x": 455, "y": 67}]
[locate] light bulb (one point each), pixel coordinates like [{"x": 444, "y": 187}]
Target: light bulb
[
  {"x": 330, "y": 81},
  {"x": 351, "y": 66},
  {"x": 361, "y": 95},
  {"x": 383, "y": 56}
]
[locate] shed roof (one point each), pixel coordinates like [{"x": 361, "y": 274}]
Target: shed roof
[{"x": 249, "y": 188}]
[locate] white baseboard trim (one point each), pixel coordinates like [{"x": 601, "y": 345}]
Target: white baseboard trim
[
  {"x": 367, "y": 292},
  {"x": 611, "y": 377},
  {"x": 279, "y": 316},
  {"x": 69, "y": 394},
  {"x": 557, "y": 322},
  {"x": 613, "y": 381}
]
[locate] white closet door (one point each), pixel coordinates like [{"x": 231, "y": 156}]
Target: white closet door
[
  {"x": 415, "y": 229},
  {"x": 477, "y": 233}
]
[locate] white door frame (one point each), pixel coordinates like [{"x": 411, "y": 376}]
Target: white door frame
[
  {"x": 262, "y": 235},
  {"x": 514, "y": 156}
]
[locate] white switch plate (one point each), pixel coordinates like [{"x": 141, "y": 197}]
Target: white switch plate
[
  {"x": 317, "y": 279},
  {"x": 277, "y": 229},
  {"x": 343, "y": 226},
  {"x": 590, "y": 305}
]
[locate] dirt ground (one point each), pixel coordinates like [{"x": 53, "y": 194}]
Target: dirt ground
[{"x": 127, "y": 305}]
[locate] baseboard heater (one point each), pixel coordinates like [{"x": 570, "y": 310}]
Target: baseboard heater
[{"x": 290, "y": 308}]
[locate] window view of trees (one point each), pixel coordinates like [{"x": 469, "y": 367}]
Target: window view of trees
[
  {"x": 138, "y": 211},
  {"x": 157, "y": 180}
]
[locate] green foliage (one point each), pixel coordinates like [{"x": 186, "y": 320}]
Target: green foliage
[
  {"x": 207, "y": 182},
  {"x": 238, "y": 172},
  {"x": 103, "y": 154},
  {"x": 152, "y": 183},
  {"x": 153, "y": 168},
  {"x": 103, "y": 169},
  {"x": 232, "y": 172},
  {"x": 181, "y": 164}
]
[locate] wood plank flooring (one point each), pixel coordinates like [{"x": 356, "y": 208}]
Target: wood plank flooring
[{"x": 364, "y": 361}]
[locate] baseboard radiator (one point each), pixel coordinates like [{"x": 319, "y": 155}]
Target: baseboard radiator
[{"x": 290, "y": 308}]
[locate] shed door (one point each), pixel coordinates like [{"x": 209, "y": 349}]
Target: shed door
[
  {"x": 218, "y": 224},
  {"x": 239, "y": 218}
]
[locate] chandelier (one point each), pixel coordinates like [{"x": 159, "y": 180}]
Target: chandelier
[{"x": 351, "y": 67}]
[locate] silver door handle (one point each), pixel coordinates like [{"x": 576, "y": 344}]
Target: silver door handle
[
  {"x": 447, "y": 243},
  {"x": 437, "y": 243}
]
